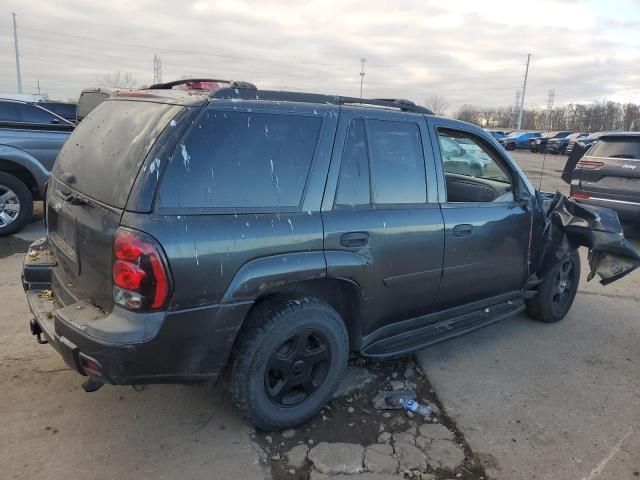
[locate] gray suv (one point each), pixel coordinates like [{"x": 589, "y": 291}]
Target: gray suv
[
  {"x": 608, "y": 175},
  {"x": 269, "y": 234}
]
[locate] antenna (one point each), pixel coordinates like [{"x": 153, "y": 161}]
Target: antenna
[
  {"x": 550, "y": 98},
  {"x": 157, "y": 69},
  {"x": 362, "y": 74}
]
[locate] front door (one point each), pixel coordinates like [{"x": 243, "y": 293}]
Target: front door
[
  {"x": 383, "y": 227},
  {"x": 486, "y": 229}
]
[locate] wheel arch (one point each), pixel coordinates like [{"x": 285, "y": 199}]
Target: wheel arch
[
  {"x": 343, "y": 295},
  {"x": 25, "y": 167}
]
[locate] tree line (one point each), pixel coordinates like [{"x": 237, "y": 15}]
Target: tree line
[{"x": 604, "y": 115}]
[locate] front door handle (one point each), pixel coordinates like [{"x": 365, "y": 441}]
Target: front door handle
[
  {"x": 354, "y": 239},
  {"x": 463, "y": 230}
]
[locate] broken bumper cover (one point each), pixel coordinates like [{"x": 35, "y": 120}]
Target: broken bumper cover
[
  {"x": 571, "y": 224},
  {"x": 128, "y": 348}
]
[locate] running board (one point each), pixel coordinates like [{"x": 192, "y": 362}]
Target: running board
[{"x": 411, "y": 340}]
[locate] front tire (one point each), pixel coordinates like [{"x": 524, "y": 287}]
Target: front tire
[
  {"x": 288, "y": 362},
  {"x": 511, "y": 146},
  {"x": 16, "y": 204},
  {"x": 557, "y": 291}
]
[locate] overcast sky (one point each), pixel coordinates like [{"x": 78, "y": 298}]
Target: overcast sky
[{"x": 469, "y": 51}]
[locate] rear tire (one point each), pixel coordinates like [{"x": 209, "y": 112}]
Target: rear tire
[
  {"x": 557, "y": 291},
  {"x": 16, "y": 204},
  {"x": 288, "y": 362}
]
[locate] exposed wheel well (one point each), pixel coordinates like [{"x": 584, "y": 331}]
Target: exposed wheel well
[
  {"x": 20, "y": 173},
  {"x": 343, "y": 295}
]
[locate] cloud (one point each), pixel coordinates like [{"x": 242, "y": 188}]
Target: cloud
[{"x": 464, "y": 50}]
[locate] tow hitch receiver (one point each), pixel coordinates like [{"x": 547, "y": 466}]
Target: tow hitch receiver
[{"x": 37, "y": 331}]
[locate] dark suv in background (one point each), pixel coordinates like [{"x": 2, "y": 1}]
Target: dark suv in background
[
  {"x": 608, "y": 175},
  {"x": 559, "y": 145},
  {"x": 276, "y": 232},
  {"x": 540, "y": 144}
]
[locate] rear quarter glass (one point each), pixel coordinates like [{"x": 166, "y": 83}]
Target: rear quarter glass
[
  {"x": 102, "y": 156},
  {"x": 241, "y": 161}
]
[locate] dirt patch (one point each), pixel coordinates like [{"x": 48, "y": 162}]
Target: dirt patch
[{"x": 353, "y": 419}]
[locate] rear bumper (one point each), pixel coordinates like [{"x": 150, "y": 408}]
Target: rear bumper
[
  {"x": 627, "y": 211},
  {"x": 184, "y": 346}
]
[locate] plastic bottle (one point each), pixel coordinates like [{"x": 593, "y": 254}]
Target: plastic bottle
[{"x": 415, "y": 407}]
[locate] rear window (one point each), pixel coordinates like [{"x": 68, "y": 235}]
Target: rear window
[
  {"x": 241, "y": 160},
  {"x": 617, "y": 147},
  {"x": 102, "y": 156}
]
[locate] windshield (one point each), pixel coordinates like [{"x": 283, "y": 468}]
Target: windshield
[{"x": 102, "y": 156}]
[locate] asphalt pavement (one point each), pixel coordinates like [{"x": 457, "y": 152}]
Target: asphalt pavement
[{"x": 559, "y": 401}]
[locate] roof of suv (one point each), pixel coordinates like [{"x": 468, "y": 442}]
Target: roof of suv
[{"x": 244, "y": 91}]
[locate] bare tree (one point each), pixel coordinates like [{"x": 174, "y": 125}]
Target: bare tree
[
  {"x": 469, "y": 113},
  {"x": 437, "y": 104},
  {"x": 117, "y": 80}
]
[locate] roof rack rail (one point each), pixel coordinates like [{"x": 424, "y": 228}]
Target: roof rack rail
[
  {"x": 170, "y": 85},
  {"x": 276, "y": 95}
]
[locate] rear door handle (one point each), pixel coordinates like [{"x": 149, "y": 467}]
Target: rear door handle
[
  {"x": 354, "y": 239},
  {"x": 463, "y": 230}
]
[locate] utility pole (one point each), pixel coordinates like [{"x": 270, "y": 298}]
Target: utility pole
[
  {"x": 362, "y": 61},
  {"x": 516, "y": 108},
  {"x": 157, "y": 69},
  {"x": 15, "y": 44},
  {"x": 524, "y": 91},
  {"x": 38, "y": 86}
]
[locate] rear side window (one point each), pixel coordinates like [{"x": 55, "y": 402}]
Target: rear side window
[
  {"x": 397, "y": 163},
  {"x": 241, "y": 160},
  {"x": 353, "y": 185},
  {"x": 102, "y": 156},
  {"x": 617, "y": 147},
  {"x": 31, "y": 114},
  {"x": 9, "y": 112}
]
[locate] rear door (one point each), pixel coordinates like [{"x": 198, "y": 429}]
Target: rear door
[
  {"x": 382, "y": 222},
  {"x": 91, "y": 182},
  {"x": 611, "y": 169},
  {"x": 486, "y": 230}
]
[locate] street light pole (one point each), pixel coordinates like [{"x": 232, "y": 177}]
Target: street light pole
[
  {"x": 524, "y": 91},
  {"x": 15, "y": 43}
]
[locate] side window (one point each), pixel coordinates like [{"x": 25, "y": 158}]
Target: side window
[
  {"x": 237, "y": 160},
  {"x": 353, "y": 184},
  {"x": 472, "y": 172},
  {"x": 31, "y": 114},
  {"x": 397, "y": 163},
  {"x": 9, "y": 112}
]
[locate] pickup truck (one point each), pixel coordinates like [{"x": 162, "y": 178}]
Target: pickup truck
[{"x": 30, "y": 139}]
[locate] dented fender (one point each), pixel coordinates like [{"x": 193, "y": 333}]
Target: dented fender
[{"x": 569, "y": 225}]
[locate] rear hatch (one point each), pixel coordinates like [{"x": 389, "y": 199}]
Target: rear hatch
[
  {"x": 88, "y": 192},
  {"x": 611, "y": 169}
]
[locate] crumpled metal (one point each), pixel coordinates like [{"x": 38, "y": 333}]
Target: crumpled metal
[{"x": 569, "y": 224}]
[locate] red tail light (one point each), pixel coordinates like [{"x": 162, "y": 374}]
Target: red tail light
[
  {"x": 580, "y": 195},
  {"x": 589, "y": 165},
  {"x": 140, "y": 278}
]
